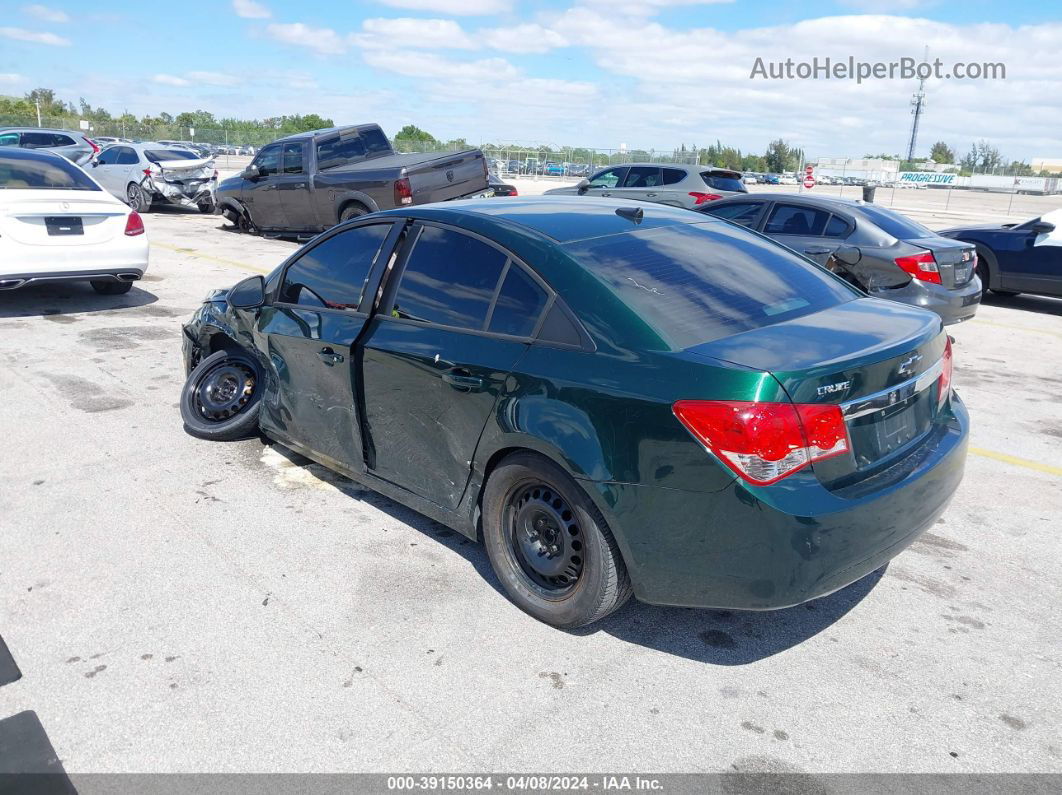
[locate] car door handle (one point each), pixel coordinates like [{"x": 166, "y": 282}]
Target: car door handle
[
  {"x": 330, "y": 357},
  {"x": 463, "y": 380},
  {"x": 650, "y": 195},
  {"x": 818, "y": 250}
]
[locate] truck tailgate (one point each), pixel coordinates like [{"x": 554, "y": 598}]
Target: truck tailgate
[{"x": 436, "y": 178}]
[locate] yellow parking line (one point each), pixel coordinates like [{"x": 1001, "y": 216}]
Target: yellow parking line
[
  {"x": 191, "y": 252},
  {"x": 1018, "y": 462},
  {"x": 981, "y": 322}
]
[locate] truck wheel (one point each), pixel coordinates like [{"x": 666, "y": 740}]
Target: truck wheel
[
  {"x": 352, "y": 211},
  {"x": 549, "y": 545},
  {"x": 206, "y": 208},
  {"x": 137, "y": 199}
]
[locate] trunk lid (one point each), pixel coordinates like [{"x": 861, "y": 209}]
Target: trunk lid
[
  {"x": 61, "y": 217},
  {"x": 879, "y": 360},
  {"x": 955, "y": 259}
]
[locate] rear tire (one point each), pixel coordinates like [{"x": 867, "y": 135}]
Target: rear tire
[
  {"x": 137, "y": 199},
  {"x": 352, "y": 211},
  {"x": 206, "y": 208},
  {"x": 111, "y": 288},
  {"x": 222, "y": 396},
  {"x": 549, "y": 544}
]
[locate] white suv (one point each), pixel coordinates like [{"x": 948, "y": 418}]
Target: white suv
[{"x": 677, "y": 184}]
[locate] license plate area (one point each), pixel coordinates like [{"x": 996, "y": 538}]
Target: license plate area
[
  {"x": 59, "y": 225},
  {"x": 895, "y": 428}
]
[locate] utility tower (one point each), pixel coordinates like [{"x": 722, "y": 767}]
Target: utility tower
[{"x": 918, "y": 104}]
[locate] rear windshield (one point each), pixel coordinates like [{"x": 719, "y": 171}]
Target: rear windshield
[
  {"x": 162, "y": 155},
  {"x": 58, "y": 174},
  {"x": 720, "y": 182},
  {"x": 696, "y": 283},
  {"x": 375, "y": 141},
  {"x": 899, "y": 226}
]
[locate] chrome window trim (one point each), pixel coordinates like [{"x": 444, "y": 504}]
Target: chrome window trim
[{"x": 894, "y": 395}]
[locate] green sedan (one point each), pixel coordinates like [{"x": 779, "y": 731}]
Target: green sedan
[{"x": 615, "y": 397}]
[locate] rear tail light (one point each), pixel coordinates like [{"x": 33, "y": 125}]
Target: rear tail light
[
  {"x": 765, "y": 442},
  {"x": 701, "y": 198},
  {"x": 514, "y": 192},
  {"x": 922, "y": 266},
  {"x": 134, "y": 224},
  {"x": 944, "y": 382},
  {"x": 93, "y": 144},
  {"x": 403, "y": 192}
]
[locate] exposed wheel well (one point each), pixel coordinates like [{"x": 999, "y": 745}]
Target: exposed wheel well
[
  {"x": 219, "y": 341},
  {"x": 985, "y": 255}
]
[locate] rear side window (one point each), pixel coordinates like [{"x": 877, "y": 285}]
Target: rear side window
[
  {"x": 744, "y": 213},
  {"x": 723, "y": 182},
  {"x": 52, "y": 174},
  {"x": 696, "y": 283},
  {"x": 8, "y": 139},
  {"x": 42, "y": 140},
  {"x": 340, "y": 151},
  {"x": 791, "y": 219},
  {"x": 671, "y": 176},
  {"x": 449, "y": 279},
  {"x": 127, "y": 157},
  {"x": 520, "y": 302},
  {"x": 642, "y": 177},
  {"x": 332, "y": 275},
  {"x": 837, "y": 227}
]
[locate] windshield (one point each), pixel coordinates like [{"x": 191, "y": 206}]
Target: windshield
[
  {"x": 26, "y": 174},
  {"x": 162, "y": 155},
  {"x": 695, "y": 283},
  {"x": 899, "y": 226}
]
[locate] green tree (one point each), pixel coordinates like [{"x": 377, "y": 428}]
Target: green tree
[
  {"x": 780, "y": 156},
  {"x": 940, "y": 152}
]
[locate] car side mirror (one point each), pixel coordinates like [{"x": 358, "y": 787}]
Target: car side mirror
[
  {"x": 251, "y": 172},
  {"x": 849, "y": 255},
  {"x": 94, "y": 161},
  {"x": 1043, "y": 227},
  {"x": 582, "y": 186},
  {"x": 248, "y": 294}
]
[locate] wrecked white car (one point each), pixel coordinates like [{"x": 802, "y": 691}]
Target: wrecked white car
[{"x": 147, "y": 173}]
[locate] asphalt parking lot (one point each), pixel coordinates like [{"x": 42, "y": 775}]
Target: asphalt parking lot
[{"x": 179, "y": 605}]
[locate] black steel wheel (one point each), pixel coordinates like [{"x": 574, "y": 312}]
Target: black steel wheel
[
  {"x": 221, "y": 396},
  {"x": 549, "y": 544},
  {"x": 544, "y": 538}
]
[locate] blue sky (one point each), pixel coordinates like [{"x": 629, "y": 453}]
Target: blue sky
[{"x": 648, "y": 73}]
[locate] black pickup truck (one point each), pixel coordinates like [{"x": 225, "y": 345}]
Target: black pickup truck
[{"x": 307, "y": 182}]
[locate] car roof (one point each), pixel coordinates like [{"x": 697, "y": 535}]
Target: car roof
[
  {"x": 41, "y": 129},
  {"x": 561, "y": 218},
  {"x": 18, "y": 153}
]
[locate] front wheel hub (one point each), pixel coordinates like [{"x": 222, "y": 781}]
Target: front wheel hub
[{"x": 225, "y": 390}]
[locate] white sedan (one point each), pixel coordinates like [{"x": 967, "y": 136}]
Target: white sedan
[{"x": 57, "y": 224}]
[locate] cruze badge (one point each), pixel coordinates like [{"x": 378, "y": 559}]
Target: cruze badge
[
  {"x": 830, "y": 389},
  {"x": 907, "y": 367}
]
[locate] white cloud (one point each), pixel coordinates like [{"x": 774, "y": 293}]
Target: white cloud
[
  {"x": 45, "y": 13},
  {"x": 430, "y": 66},
  {"x": 11, "y": 79},
  {"x": 646, "y": 8},
  {"x": 427, "y": 34},
  {"x": 323, "y": 41},
  {"x": 213, "y": 78},
  {"x": 19, "y": 34},
  {"x": 249, "y": 9},
  {"x": 526, "y": 38},
  {"x": 170, "y": 80},
  {"x": 453, "y": 7}
]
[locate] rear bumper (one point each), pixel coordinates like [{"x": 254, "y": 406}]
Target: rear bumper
[
  {"x": 953, "y": 306},
  {"x": 12, "y": 281},
  {"x": 764, "y": 549}
]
